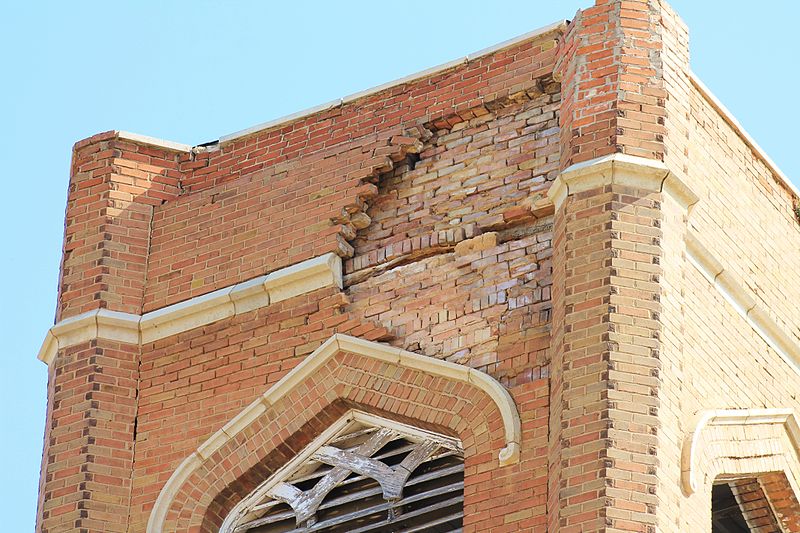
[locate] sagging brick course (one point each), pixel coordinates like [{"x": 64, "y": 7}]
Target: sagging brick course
[
  {"x": 310, "y": 171},
  {"x": 427, "y": 268},
  {"x": 435, "y": 194}
]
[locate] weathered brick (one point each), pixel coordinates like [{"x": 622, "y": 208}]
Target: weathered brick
[{"x": 435, "y": 193}]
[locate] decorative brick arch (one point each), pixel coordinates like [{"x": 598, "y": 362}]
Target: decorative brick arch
[
  {"x": 344, "y": 373},
  {"x": 759, "y": 445}
]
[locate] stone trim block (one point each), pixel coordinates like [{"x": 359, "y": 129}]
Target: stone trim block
[
  {"x": 621, "y": 169},
  {"x": 316, "y": 273}
]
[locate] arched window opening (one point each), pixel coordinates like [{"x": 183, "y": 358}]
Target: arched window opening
[{"x": 364, "y": 474}]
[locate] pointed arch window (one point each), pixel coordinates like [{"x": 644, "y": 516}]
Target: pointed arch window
[{"x": 364, "y": 474}]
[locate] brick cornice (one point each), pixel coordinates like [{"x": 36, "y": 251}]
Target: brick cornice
[
  {"x": 307, "y": 276},
  {"x": 621, "y": 169}
]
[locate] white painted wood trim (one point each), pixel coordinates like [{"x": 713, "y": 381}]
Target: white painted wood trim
[
  {"x": 307, "y": 276},
  {"x": 744, "y": 301},
  {"x": 343, "y": 343},
  {"x": 621, "y": 169},
  {"x": 731, "y": 417}
]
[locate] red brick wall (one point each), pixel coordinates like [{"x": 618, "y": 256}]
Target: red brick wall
[
  {"x": 610, "y": 67},
  {"x": 150, "y": 227},
  {"x": 434, "y": 193},
  {"x": 112, "y": 191},
  {"x": 276, "y": 197},
  {"x": 441, "y": 268},
  {"x": 755, "y": 506},
  {"x": 193, "y": 383},
  {"x": 496, "y": 499},
  {"x": 86, "y": 481},
  {"x": 495, "y": 295}
]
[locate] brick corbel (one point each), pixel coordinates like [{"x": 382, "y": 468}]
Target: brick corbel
[
  {"x": 621, "y": 169},
  {"x": 352, "y": 212}
]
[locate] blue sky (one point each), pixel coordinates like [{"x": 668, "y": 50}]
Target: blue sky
[{"x": 193, "y": 71}]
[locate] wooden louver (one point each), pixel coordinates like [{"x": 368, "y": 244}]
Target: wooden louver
[{"x": 366, "y": 478}]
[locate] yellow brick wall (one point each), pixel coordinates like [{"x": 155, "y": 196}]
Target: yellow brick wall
[
  {"x": 745, "y": 216},
  {"x": 712, "y": 358}
]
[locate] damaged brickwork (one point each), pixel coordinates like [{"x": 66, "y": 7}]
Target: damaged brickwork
[{"x": 569, "y": 218}]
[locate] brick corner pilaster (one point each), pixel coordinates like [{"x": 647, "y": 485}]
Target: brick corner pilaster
[
  {"x": 114, "y": 185},
  {"x": 606, "y": 364}
]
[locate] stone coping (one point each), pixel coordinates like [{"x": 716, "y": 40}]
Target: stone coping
[
  {"x": 621, "y": 169},
  {"x": 553, "y": 29}
]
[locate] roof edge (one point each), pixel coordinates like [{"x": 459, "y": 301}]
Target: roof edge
[
  {"x": 550, "y": 29},
  {"x": 556, "y": 27},
  {"x": 728, "y": 117},
  {"x": 154, "y": 141}
]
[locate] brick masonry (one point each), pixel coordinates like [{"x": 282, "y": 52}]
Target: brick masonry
[
  {"x": 755, "y": 506},
  {"x": 435, "y": 194}
]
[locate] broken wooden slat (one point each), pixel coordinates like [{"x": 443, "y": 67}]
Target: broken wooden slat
[
  {"x": 410, "y": 463},
  {"x": 377, "y": 490},
  {"x": 413, "y": 514},
  {"x": 306, "y": 503},
  {"x": 371, "y": 508},
  {"x": 354, "y": 479},
  {"x": 443, "y": 520}
]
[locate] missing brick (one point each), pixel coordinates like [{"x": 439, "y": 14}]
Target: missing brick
[{"x": 411, "y": 160}]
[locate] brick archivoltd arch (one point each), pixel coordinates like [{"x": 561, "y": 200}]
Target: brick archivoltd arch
[{"x": 344, "y": 373}]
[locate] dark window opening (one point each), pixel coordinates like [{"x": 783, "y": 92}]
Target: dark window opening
[{"x": 726, "y": 514}]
